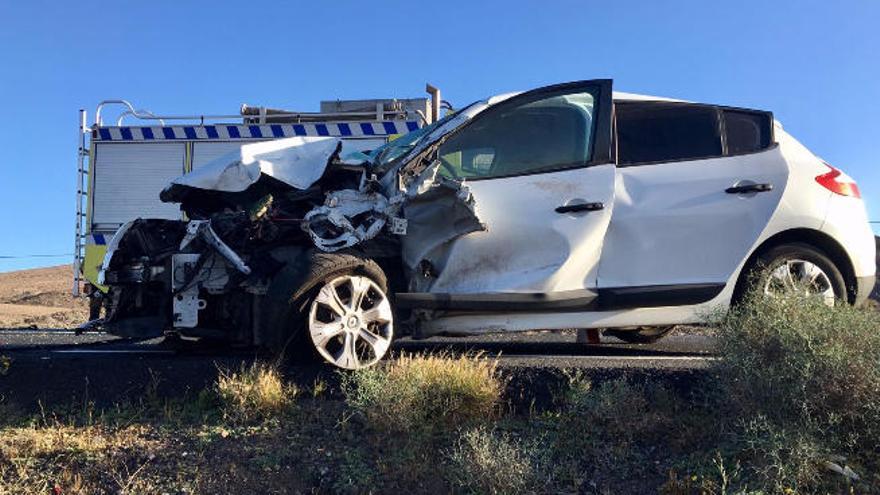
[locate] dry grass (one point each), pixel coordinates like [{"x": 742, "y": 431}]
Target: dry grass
[
  {"x": 253, "y": 392},
  {"x": 486, "y": 461},
  {"x": 92, "y": 459},
  {"x": 34, "y": 441},
  {"x": 607, "y": 434},
  {"x": 433, "y": 393},
  {"x": 411, "y": 410}
]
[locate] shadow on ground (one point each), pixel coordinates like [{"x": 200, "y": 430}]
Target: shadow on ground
[{"x": 103, "y": 374}]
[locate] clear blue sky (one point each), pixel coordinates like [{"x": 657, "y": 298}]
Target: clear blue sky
[{"x": 815, "y": 64}]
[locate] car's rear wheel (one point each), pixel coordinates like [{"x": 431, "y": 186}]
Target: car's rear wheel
[
  {"x": 640, "y": 335},
  {"x": 796, "y": 270},
  {"x": 334, "y": 307}
]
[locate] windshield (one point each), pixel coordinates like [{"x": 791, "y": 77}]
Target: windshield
[
  {"x": 405, "y": 148},
  {"x": 393, "y": 150}
]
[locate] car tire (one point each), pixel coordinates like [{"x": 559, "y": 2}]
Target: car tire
[
  {"x": 331, "y": 307},
  {"x": 640, "y": 335},
  {"x": 801, "y": 264}
]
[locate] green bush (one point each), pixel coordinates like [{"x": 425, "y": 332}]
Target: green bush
[
  {"x": 355, "y": 474},
  {"x": 486, "y": 461},
  {"x": 802, "y": 383},
  {"x": 425, "y": 393},
  {"x": 784, "y": 461}
]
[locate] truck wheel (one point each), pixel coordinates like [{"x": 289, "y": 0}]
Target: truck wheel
[
  {"x": 795, "y": 269},
  {"x": 640, "y": 335},
  {"x": 338, "y": 309}
]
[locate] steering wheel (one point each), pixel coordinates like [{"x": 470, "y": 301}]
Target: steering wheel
[{"x": 449, "y": 168}]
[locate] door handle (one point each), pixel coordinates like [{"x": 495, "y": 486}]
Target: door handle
[
  {"x": 749, "y": 188},
  {"x": 580, "y": 207}
]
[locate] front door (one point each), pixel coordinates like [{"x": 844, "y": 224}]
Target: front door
[{"x": 540, "y": 169}]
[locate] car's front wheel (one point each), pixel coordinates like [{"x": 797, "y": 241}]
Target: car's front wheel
[
  {"x": 334, "y": 307},
  {"x": 350, "y": 323}
]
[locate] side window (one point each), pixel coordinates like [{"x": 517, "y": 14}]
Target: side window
[
  {"x": 661, "y": 132},
  {"x": 746, "y": 131},
  {"x": 544, "y": 134}
]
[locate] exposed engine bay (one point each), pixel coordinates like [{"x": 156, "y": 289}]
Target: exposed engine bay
[{"x": 252, "y": 213}]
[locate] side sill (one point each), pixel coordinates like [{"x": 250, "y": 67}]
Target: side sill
[
  {"x": 652, "y": 296},
  {"x": 575, "y": 300},
  {"x": 608, "y": 299}
]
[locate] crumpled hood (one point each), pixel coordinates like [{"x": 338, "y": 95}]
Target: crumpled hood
[{"x": 298, "y": 162}]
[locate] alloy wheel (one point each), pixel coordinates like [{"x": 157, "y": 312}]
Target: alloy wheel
[
  {"x": 801, "y": 278},
  {"x": 351, "y": 322}
]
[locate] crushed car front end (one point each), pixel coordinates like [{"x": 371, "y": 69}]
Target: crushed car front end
[{"x": 254, "y": 214}]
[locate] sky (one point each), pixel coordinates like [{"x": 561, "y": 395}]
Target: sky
[{"x": 815, "y": 64}]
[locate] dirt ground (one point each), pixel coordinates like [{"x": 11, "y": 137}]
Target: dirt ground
[{"x": 41, "y": 298}]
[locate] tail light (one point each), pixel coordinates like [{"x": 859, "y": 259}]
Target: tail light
[{"x": 838, "y": 183}]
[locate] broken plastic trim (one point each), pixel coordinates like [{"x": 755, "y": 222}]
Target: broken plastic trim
[
  {"x": 202, "y": 229},
  {"x": 111, "y": 250},
  {"x": 349, "y": 217}
]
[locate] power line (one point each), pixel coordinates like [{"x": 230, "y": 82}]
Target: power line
[{"x": 24, "y": 256}]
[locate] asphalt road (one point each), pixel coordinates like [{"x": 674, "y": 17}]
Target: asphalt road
[
  {"x": 536, "y": 349},
  {"x": 70, "y": 371}
]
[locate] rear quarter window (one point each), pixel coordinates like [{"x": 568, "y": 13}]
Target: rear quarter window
[{"x": 747, "y": 132}]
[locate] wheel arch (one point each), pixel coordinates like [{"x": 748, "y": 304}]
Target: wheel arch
[
  {"x": 301, "y": 272},
  {"x": 814, "y": 238}
]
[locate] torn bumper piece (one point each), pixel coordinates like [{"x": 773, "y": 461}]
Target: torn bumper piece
[
  {"x": 111, "y": 250},
  {"x": 349, "y": 217},
  {"x": 428, "y": 212}
]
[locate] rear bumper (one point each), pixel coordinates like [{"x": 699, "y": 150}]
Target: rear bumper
[{"x": 864, "y": 286}]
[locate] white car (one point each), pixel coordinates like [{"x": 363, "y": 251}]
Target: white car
[{"x": 567, "y": 206}]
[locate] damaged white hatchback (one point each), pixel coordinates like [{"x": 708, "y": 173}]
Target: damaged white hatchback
[{"x": 563, "y": 207}]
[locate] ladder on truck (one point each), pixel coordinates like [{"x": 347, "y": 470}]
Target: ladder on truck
[
  {"x": 354, "y": 121},
  {"x": 82, "y": 157}
]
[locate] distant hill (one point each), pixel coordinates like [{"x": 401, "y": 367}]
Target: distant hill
[{"x": 40, "y": 297}]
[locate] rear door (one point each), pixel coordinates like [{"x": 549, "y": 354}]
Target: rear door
[
  {"x": 540, "y": 169},
  {"x": 696, "y": 186}
]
